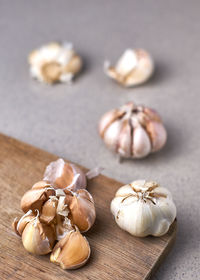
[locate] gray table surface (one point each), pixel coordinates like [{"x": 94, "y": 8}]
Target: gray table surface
[{"x": 63, "y": 119}]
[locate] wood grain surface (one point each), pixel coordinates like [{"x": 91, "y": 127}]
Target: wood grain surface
[{"x": 115, "y": 253}]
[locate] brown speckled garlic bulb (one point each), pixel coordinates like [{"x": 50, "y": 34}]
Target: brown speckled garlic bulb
[{"x": 132, "y": 131}]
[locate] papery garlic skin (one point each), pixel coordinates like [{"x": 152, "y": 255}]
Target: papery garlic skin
[
  {"x": 133, "y": 68},
  {"x": 143, "y": 208},
  {"x": 60, "y": 174},
  {"x": 72, "y": 251},
  {"x": 132, "y": 131},
  {"x": 54, "y": 62}
]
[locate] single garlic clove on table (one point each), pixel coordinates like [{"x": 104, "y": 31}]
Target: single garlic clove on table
[
  {"x": 61, "y": 174},
  {"x": 38, "y": 238},
  {"x": 134, "y": 67},
  {"x": 72, "y": 251},
  {"x": 54, "y": 63},
  {"x": 132, "y": 131},
  {"x": 143, "y": 208}
]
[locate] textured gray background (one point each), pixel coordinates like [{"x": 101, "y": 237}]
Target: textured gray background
[{"x": 63, "y": 119}]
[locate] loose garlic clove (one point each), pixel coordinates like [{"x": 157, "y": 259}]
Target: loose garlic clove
[
  {"x": 72, "y": 251},
  {"x": 134, "y": 67},
  {"x": 82, "y": 210},
  {"x": 61, "y": 174},
  {"x": 38, "y": 238},
  {"x": 35, "y": 198},
  {"x": 132, "y": 131},
  {"x": 143, "y": 208},
  {"x": 54, "y": 63}
]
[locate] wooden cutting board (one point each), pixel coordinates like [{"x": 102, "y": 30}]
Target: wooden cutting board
[{"x": 115, "y": 253}]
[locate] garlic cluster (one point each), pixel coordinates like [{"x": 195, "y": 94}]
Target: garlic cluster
[
  {"x": 58, "y": 208},
  {"x": 132, "y": 131},
  {"x": 54, "y": 62},
  {"x": 134, "y": 67},
  {"x": 143, "y": 208}
]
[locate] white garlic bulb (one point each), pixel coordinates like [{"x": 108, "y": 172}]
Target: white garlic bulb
[
  {"x": 132, "y": 131},
  {"x": 134, "y": 67},
  {"x": 143, "y": 208},
  {"x": 54, "y": 62}
]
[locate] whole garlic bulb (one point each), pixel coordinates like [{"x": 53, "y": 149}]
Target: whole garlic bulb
[
  {"x": 134, "y": 67},
  {"x": 132, "y": 131},
  {"x": 61, "y": 174},
  {"x": 143, "y": 208},
  {"x": 54, "y": 62}
]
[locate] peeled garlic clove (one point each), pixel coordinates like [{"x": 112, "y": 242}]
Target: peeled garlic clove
[
  {"x": 134, "y": 133},
  {"x": 134, "y": 67},
  {"x": 49, "y": 210},
  {"x": 141, "y": 143},
  {"x": 61, "y": 174},
  {"x": 54, "y": 63},
  {"x": 35, "y": 198},
  {"x": 82, "y": 209},
  {"x": 72, "y": 251},
  {"x": 143, "y": 208},
  {"x": 38, "y": 238},
  {"x": 157, "y": 134}
]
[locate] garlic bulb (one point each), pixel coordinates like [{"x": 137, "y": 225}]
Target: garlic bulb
[
  {"x": 134, "y": 67},
  {"x": 132, "y": 131},
  {"x": 54, "y": 62},
  {"x": 61, "y": 174},
  {"x": 143, "y": 208},
  {"x": 72, "y": 251}
]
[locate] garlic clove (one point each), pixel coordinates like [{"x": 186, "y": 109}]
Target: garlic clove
[
  {"x": 41, "y": 185},
  {"x": 134, "y": 67},
  {"x": 111, "y": 135},
  {"x": 49, "y": 210},
  {"x": 125, "y": 139},
  {"x": 72, "y": 251},
  {"x": 35, "y": 198},
  {"x": 157, "y": 134},
  {"x": 19, "y": 225},
  {"x": 61, "y": 174},
  {"x": 107, "y": 119},
  {"x": 74, "y": 65},
  {"x": 38, "y": 238},
  {"x": 63, "y": 226},
  {"x": 82, "y": 209},
  {"x": 141, "y": 143}
]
